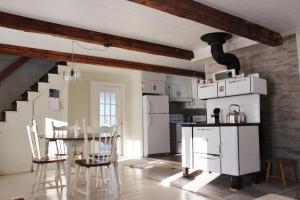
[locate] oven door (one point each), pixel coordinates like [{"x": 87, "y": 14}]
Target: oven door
[
  {"x": 206, "y": 140},
  {"x": 207, "y": 162}
]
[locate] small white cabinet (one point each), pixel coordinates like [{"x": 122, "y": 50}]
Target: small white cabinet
[
  {"x": 208, "y": 91},
  {"x": 153, "y": 87},
  {"x": 246, "y": 85},
  {"x": 239, "y": 150}
]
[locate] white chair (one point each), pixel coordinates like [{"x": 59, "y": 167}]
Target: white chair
[
  {"x": 63, "y": 131},
  {"x": 94, "y": 157},
  {"x": 42, "y": 161}
]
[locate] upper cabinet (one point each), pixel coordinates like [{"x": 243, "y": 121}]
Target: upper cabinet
[
  {"x": 153, "y": 83},
  {"x": 153, "y": 87},
  {"x": 179, "y": 88},
  {"x": 232, "y": 87},
  {"x": 177, "y": 91}
]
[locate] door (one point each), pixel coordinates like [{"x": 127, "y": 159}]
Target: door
[
  {"x": 106, "y": 108},
  {"x": 229, "y": 150},
  {"x": 208, "y": 91},
  {"x": 147, "y": 86},
  {"x": 174, "y": 90},
  {"x": 238, "y": 86},
  {"x": 155, "y": 104},
  {"x": 157, "y": 134},
  {"x": 206, "y": 140},
  {"x": 158, "y": 87}
]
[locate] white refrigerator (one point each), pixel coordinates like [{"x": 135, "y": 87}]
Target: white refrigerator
[{"x": 156, "y": 124}]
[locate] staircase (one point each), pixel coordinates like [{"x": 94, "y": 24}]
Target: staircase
[
  {"x": 15, "y": 155},
  {"x": 31, "y": 92}
]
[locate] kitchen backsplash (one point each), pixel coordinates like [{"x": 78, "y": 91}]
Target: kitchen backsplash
[
  {"x": 178, "y": 108},
  {"x": 280, "y": 109}
]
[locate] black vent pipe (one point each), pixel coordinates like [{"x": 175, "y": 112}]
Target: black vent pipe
[{"x": 216, "y": 41}]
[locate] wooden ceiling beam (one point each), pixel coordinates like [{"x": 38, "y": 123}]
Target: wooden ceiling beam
[
  {"x": 61, "y": 56},
  {"x": 13, "y": 67},
  {"x": 195, "y": 11},
  {"x": 37, "y": 26}
]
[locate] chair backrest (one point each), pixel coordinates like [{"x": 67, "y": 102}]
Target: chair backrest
[
  {"x": 61, "y": 131},
  {"x": 34, "y": 140},
  {"x": 107, "y": 136}
]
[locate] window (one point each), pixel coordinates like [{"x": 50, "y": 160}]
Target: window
[{"x": 107, "y": 108}]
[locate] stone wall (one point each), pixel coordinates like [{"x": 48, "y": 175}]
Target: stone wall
[{"x": 281, "y": 108}]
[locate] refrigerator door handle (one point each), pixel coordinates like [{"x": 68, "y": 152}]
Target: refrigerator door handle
[
  {"x": 149, "y": 121},
  {"x": 148, "y": 106}
]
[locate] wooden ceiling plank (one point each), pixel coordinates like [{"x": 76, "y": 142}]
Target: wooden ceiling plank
[
  {"x": 195, "y": 11},
  {"x": 61, "y": 56},
  {"x": 13, "y": 67},
  {"x": 38, "y": 26}
]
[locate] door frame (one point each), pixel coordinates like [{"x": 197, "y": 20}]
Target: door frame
[{"x": 93, "y": 106}]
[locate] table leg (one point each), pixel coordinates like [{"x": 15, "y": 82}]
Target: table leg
[{"x": 68, "y": 164}]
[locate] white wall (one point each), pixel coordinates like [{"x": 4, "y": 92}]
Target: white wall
[
  {"x": 79, "y": 101},
  {"x": 15, "y": 156}
]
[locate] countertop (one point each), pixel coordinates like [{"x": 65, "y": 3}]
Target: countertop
[{"x": 197, "y": 124}]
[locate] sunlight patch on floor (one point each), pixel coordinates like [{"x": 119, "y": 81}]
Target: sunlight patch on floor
[
  {"x": 167, "y": 181},
  {"x": 200, "y": 181}
]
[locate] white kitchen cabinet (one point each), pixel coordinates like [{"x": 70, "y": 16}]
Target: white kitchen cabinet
[
  {"x": 246, "y": 85},
  {"x": 187, "y": 147},
  {"x": 239, "y": 150},
  {"x": 153, "y": 87},
  {"x": 177, "y": 91},
  {"x": 208, "y": 91}
]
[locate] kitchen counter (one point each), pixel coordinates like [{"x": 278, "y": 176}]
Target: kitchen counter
[{"x": 197, "y": 124}]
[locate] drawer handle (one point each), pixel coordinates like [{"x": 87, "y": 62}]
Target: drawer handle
[{"x": 210, "y": 158}]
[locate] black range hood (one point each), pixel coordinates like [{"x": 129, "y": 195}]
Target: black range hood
[{"x": 216, "y": 41}]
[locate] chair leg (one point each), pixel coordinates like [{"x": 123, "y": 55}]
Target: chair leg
[
  {"x": 88, "y": 183},
  {"x": 282, "y": 175},
  {"x": 268, "y": 172},
  {"x": 59, "y": 173},
  {"x": 76, "y": 177},
  {"x": 56, "y": 176},
  {"x": 102, "y": 176},
  {"x": 39, "y": 181},
  {"x": 35, "y": 176},
  {"x": 114, "y": 180}
]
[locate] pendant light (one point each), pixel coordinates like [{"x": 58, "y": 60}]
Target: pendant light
[{"x": 70, "y": 74}]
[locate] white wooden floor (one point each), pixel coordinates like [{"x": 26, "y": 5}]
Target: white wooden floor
[{"x": 134, "y": 186}]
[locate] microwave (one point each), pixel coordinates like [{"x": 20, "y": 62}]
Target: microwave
[{"x": 224, "y": 74}]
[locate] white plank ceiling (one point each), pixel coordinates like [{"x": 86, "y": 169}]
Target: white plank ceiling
[{"x": 123, "y": 18}]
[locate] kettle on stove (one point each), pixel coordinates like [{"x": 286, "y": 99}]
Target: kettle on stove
[{"x": 235, "y": 115}]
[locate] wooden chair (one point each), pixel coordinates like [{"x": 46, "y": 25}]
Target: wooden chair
[
  {"x": 42, "y": 161},
  {"x": 97, "y": 158},
  {"x": 60, "y": 146},
  {"x": 281, "y": 174}
]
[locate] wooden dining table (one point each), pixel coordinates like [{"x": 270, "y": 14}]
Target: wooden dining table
[{"x": 71, "y": 140}]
